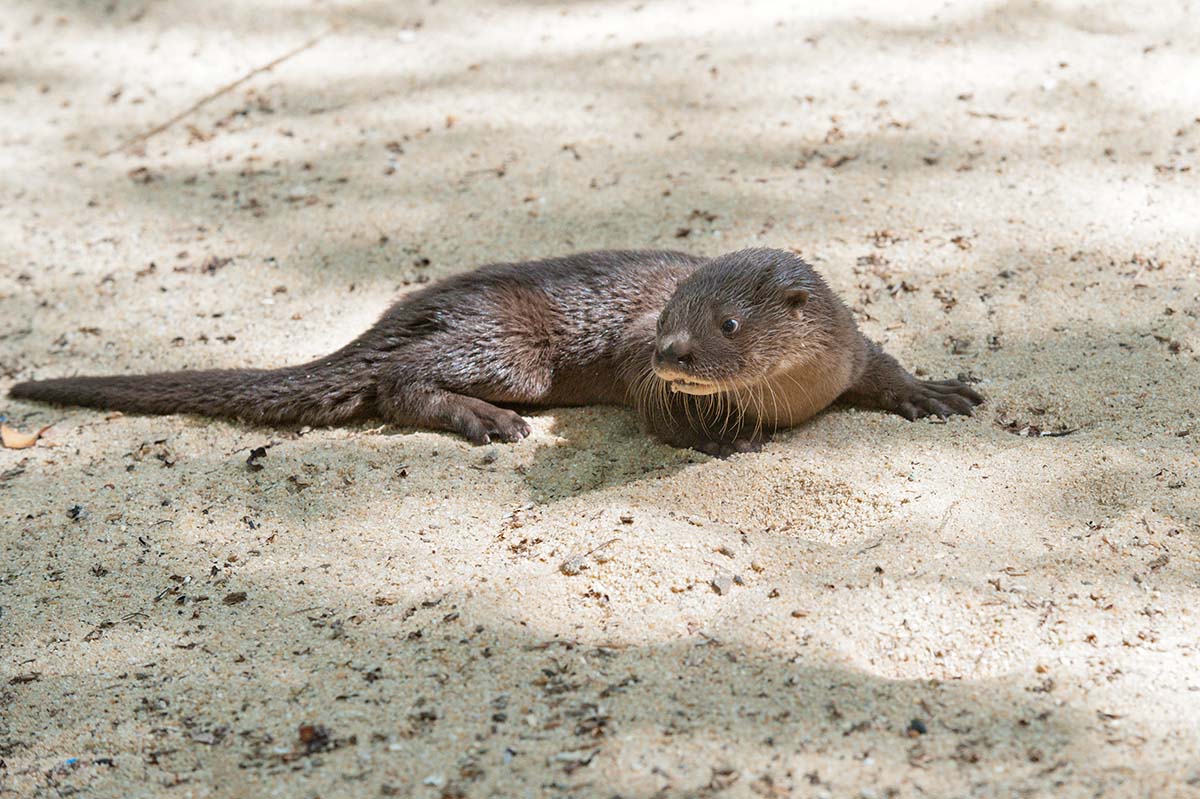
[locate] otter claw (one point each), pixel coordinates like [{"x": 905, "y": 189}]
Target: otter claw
[
  {"x": 483, "y": 423},
  {"x": 942, "y": 398}
]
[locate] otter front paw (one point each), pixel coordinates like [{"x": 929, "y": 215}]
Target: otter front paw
[
  {"x": 716, "y": 447},
  {"x": 723, "y": 449},
  {"x": 942, "y": 398}
]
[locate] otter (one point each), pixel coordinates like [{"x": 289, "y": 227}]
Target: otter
[{"x": 713, "y": 353}]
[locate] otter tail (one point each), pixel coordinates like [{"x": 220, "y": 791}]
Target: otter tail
[{"x": 327, "y": 391}]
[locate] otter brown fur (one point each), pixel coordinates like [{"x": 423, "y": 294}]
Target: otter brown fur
[{"x": 714, "y": 353}]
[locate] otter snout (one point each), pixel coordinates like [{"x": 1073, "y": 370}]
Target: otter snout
[
  {"x": 674, "y": 351},
  {"x": 673, "y": 361}
]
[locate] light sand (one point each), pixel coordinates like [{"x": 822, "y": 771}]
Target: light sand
[{"x": 1006, "y": 190}]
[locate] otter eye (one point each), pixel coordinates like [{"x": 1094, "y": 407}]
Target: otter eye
[{"x": 730, "y": 326}]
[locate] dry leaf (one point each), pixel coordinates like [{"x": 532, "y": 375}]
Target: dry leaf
[{"x": 15, "y": 439}]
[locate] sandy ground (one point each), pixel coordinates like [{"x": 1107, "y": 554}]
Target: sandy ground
[{"x": 1007, "y": 190}]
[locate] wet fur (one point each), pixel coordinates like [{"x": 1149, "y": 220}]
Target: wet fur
[{"x": 461, "y": 354}]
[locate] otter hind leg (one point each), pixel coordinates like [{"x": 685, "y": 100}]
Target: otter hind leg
[
  {"x": 886, "y": 385},
  {"x": 477, "y": 421},
  {"x": 482, "y": 422}
]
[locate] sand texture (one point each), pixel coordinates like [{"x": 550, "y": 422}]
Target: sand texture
[{"x": 1000, "y": 606}]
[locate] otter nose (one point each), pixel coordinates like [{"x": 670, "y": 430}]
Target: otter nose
[{"x": 676, "y": 350}]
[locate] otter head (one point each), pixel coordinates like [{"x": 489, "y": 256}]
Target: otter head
[{"x": 738, "y": 320}]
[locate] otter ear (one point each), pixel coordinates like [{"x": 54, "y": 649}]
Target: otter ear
[
  {"x": 794, "y": 285},
  {"x": 796, "y": 298}
]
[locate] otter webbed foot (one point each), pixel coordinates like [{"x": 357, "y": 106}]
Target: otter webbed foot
[
  {"x": 941, "y": 398},
  {"x": 885, "y": 385},
  {"x": 474, "y": 419},
  {"x": 481, "y": 422}
]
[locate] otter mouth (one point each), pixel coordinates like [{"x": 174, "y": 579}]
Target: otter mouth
[
  {"x": 687, "y": 385},
  {"x": 683, "y": 383}
]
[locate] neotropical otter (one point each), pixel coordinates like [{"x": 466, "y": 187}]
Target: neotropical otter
[{"x": 714, "y": 353}]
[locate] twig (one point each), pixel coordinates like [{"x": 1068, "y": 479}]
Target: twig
[
  {"x": 945, "y": 519},
  {"x": 607, "y": 543},
  {"x": 1057, "y": 433},
  {"x": 228, "y": 87},
  {"x": 577, "y": 563},
  {"x": 869, "y": 547}
]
